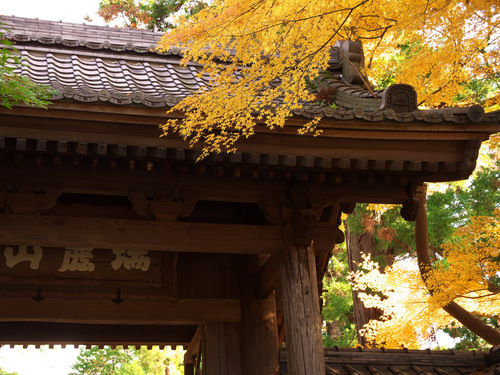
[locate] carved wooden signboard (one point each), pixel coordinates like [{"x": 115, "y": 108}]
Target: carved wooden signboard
[{"x": 86, "y": 272}]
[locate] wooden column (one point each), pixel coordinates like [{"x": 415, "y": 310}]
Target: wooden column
[
  {"x": 221, "y": 349},
  {"x": 188, "y": 369},
  {"x": 301, "y": 311},
  {"x": 259, "y": 336}
]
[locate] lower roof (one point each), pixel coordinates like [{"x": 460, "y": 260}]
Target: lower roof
[{"x": 362, "y": 361}]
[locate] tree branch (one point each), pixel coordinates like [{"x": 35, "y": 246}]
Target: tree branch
[{"x": 467, "y": 319}]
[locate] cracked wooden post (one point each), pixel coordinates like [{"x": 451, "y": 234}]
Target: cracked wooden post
[{"x": 301, "y": 310}]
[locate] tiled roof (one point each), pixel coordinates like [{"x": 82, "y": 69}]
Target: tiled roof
[
  {"x": 81, "y": 35},
  {"x": 91, "y": 63},
  {"x": 402, "y": 362},
  {"x": 86, "y": 78},
  {"x": 454, "y": 115},
  {"x": 98, "y": 64}
]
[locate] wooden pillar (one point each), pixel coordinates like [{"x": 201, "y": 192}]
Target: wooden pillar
[
  {"x": 301, "y": 311},
  {"x": 259, "y": 336},
  {"x": 221, "y": 349},
  {"x": 188, "y": 369}
]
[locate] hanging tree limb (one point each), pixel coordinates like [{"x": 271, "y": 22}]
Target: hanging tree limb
[{"x": 468, "y": 320}]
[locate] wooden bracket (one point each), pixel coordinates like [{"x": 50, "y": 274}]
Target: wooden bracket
[
  {"x": 298, "y": 196},
  {"x": 166, "y": 206},
  {"x": 410, "y": 209},
  {"x": 30, "y": 203},
  {"x": 303, "y": 217},
  {"x": 468, "y": 164},
  {"x": 140, "y": 203},
  {"x": 326, "y": 231},
  {"x": 274, "y": 209},
  {"x": 410, "y": 206},
  {"x": 320, "y": 202},
  {"x": 303, "y": 226},
  {"x": 325, "y": 237}
]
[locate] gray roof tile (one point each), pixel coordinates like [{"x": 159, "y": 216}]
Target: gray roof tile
[
  {"x": 351, "y": 361},
  {"x": 94, "y": 63},
  {"x": 89, "y": 36}
]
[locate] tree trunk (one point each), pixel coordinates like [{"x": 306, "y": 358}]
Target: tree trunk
[{"x": 357, "y": 244}]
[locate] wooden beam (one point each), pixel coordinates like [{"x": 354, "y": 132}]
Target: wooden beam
[
  {"x": 45, "y": 333},
  {"x": 138, "y": 234},
  {"x": 151, "y": 117},
  {"x": 134, "y": 312},
  {"x": 361, "y": 193}
]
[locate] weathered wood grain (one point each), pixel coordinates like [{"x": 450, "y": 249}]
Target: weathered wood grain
[
  {"x": 105, "y": 311},
  {"x": 222, "y": 349},
  {"x": 138, "y": 234},
  {"x": 301, "y": 308},
  {"x": 259, "y": 344}
]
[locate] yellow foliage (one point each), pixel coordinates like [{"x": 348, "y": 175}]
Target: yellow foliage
[
  {"x": 409, "y": 319},
  {"x": 260, "y": 54},
  {"x": 466, "y": 276},
  {"x": 471, "y": 266},
  {"x": 452, "y": 44},
  {"x": 380, "y": 208},
  {"x": 494, "y": 145}
]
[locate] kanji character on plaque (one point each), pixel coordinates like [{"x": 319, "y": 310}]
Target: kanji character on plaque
[
  {"x": 77, "y": 259},
  {"x": 23, "y": 256},
  {"x": 131, "y": 259}
]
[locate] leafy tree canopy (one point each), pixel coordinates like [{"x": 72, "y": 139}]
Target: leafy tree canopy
[
  {"x": 15, "y": 88},
  {"x": 467, "y": 274},
  {"x": 463, "y": 220},
  {"x": 148, "y": 14},
  {"x": 119, "y": 361},
  {"x": 106, "y": 361},
  {"x": 337, "y": 311},
  {"x": 465, "y": 239},
  {"x": 260, "y": 54}
]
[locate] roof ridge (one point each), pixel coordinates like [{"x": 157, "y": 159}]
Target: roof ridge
[{"x": 94, "y": 37}]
